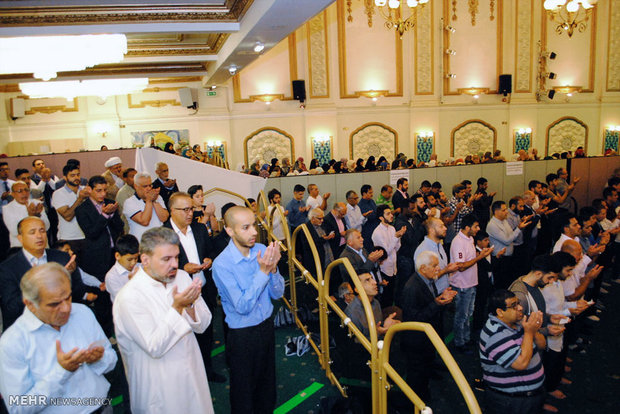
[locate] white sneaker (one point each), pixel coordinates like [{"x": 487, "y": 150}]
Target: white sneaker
[
  {"x": 594, "y": 318},
  {"x": 616, "y": 281}
]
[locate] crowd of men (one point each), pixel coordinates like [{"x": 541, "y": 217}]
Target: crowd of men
[{"x": 128, "y": 257}]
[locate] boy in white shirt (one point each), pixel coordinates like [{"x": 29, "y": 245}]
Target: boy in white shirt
[{"x": 126, "y": 255}]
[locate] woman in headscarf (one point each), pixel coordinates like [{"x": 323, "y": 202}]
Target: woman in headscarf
[
  {"x": 169, "y": 148},
  {"x": 264, "y": 171},
  {"x": 370, "y": 164},
  {"x": 274, "y": 164},
  {"x": 313, "y": 164},
  {"x": 359, "y": 165}
]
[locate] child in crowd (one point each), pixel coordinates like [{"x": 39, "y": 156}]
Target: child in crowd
[{"x": 126, "y": 256}]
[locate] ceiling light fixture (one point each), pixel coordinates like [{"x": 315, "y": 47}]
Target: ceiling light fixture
[
  {"x": 45, "y": 56},
  {"x": 259, "y": 47},
  {"x": 393, "y": 11},
  {"x": 91, "y": 87},
  {"x": 232, "y": 69},
  {"x": 569, "y": 14}
]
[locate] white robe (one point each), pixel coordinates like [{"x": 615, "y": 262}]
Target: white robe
[{"x": 162, "y": 359}]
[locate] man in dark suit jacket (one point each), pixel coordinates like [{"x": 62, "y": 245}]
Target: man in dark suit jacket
[
  {"x": 421, "y": 303},
  {"x": 32, "y": 235},
  {"x": 361, "y": 261},
  {"x": 195, "y": 257},
  {"x": 400, "y": 199},
  {"x": 167, "y": 186},
  {"x": 99, "y": 220},
  {"x": 334, "y": 221}
]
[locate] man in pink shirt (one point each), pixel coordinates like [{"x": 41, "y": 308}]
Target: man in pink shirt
[{"x": 464, "y": 282}]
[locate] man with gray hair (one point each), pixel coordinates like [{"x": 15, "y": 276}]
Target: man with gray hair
[
  {"x": 113, "y": 176},
  {"x": 421, "y": 302},
  {"x": 146, "y": 209},
  {"x": 55, "y": 349},
  {"x": 155, "y": 314},
  {"x": 166, "y": 185}
]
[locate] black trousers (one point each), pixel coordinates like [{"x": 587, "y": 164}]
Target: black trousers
[
  {"x": 497, "y": 403},
  {"x": 419, "y": 370},
  {"x": 252, "y": 369},
  {"x": 554, "y": 368},
  {"x": 205, "y": 339}
]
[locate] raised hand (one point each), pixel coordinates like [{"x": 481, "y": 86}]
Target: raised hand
[
  {"x": 182, "y": 300},
  {"x": 110, "y": 208},
  {"x": 532, "y": 323},
  {"x": 70, "y": 360}
]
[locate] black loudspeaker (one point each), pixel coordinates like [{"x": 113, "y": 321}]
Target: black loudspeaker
[
  {"x": 505, "y": 84},
  {"x": 299, "y": 90}
]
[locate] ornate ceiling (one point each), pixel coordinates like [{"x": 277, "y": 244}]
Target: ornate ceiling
[{"x": 166, "y": 38}]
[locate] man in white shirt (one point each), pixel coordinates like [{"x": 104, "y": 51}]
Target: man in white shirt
[
  {"x": 386, "y": 236},
  {"x": 155, "y": 314},
  {"x": 196, "y": 254},
  {"x": 433, "y": 241},
  {"x": 354, "y": 218},
  {"x": 145, "y": 209},
  {"x": 465, "y": 280},
  {"x": 65, "y": 200},
  {"x": 315, "y": 199},
  {"x": 55, "y": 349},
  {"x": 36, "y": 190},
  {"x": 21, "y": 207},
  {"x": 570, "y": 230}
]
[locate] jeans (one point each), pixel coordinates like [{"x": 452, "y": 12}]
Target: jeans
[{"x": 465, "y": 300}]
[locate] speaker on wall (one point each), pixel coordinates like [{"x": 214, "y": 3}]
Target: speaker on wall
[
  {"x": 299, "y": 90},
  {"x": 185, "y": 96},
  {"x": 505, "y": 84}
]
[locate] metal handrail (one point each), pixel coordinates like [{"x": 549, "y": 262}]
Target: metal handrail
[{"x": 443, "y": 352}]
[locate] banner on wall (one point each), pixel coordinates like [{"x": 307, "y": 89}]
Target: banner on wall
[
  {"x": 189, "y": 172},
  {"x": 395, "y": 175}
]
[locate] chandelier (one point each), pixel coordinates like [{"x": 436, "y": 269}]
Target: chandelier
[
  {"x": 393, "y": 11},
  {"x": 45, "y": 56},
  {"x": 93, "y": 87},
  {"x": 569, "y": 15}
]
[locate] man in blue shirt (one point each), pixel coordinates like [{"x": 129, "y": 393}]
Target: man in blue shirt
[
  {"x": 247, "y": 278},
  {"x": 297, "y": 210},
  {"x": 54, "y": 350}
]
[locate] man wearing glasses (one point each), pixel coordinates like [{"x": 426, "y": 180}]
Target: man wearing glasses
[
  {"x": 196, "y": 254},
  {"x": 21, "y": 207},
  {"x": 510, "y": 347},
  {"x": 146, "y": 209}
]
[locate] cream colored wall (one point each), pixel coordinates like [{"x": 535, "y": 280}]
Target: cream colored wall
[{"x": 419, "y": 98}]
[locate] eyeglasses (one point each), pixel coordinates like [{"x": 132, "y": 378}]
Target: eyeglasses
[
  {"x": 514, "y": 306},
  {"x": 185, "y": 210},
  {"x": 21, "y": 190}
]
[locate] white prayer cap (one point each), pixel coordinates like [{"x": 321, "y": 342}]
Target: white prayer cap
[{"x": 113, "y": 161}]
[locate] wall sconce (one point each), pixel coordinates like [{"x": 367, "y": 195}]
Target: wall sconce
[
  {"x": 450, "y": 52},
  {"x": 450, "y": 76},
  {"x": 424, "y": 146},
  {"x": 372, "y": 94},
  {"x": 612, "y": 136},
  {"x": 475, "y": 92},
  {"x": 522, "y": 139},
  {"x": 567, "y": 90},
  {"x": 101, "y": 130},
  {"x": 322, "y": 148},
  {"x": 268, "y": 98}
]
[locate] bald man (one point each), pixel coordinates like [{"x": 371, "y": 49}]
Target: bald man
[{"x": 247, "y": 278}]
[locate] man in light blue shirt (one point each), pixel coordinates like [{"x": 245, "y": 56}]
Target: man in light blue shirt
[
  {"x": 55, "y": 350},
  {"x": 247, "y": 278},
  {"x": 436, "y": 231}
]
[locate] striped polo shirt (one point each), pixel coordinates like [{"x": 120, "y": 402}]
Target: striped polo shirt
[{"x": 500, "y": 346}]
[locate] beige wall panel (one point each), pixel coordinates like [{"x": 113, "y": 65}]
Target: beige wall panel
[
  {"x": 420, "y": 174},
  {"x": 318, "y": 56},
  {"x": 478, "y": 59},
  {"x": 423, "y": 58},
  {"x": 575, "y": 61},
  {"x": 269, "y": 74},
  {"x": 524, "y": 45},
  {"x": 495, "y": 174},
  {"x": 364, "y": 68},
  {"x": 613, "y": 46}
]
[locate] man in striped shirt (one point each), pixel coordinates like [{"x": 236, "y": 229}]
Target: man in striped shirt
[{"x": 510, "y": 346}]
